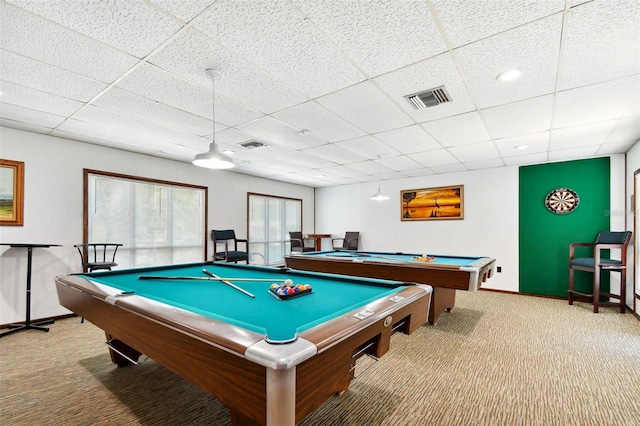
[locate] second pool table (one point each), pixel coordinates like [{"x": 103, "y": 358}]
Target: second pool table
[
  {"x": 445, "y": 274},
  {"x": 270, "y": 361}
]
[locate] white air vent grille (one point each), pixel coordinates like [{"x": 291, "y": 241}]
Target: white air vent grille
[
  {"x": 253, "y": 145},
  {"x": 429, "y": 98}
]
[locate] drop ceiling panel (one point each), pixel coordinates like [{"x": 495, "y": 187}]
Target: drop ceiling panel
[
  {"x": 28, "y": 127},
  {"x": 280, "y": 41},
  {"x": 458, "y": 130},
  {"x": 343, "y": 171},
  {"x": 409, "y": 139},
  {"x": 399, "y": 163},
  {"x": 335, "y": 154},
  {"x": 468, "y": 21},
  {"x": 533, "y": 48},
  {"x": 278, "y": 133},
  {"x": 484, "y": 164},
  {"x": 423, "y": 171},
  {"x": 379, "y": 36},
  {"x": 370, "y": 167},
  {"x": 518, "y": 118},
  {"x": 239, "y": 79},
  {"x": 436, "y": 158},
  {"x": 307, "y": 160},
  {"x": 130, "y": 125},
  {"x": 573, "y": 154},
  {"x": 579, "y": 136},
  {"x": 451, "y": 168},
  {"x": 521, "y": 160},
  {"x": 366, "y": 107},
  {"x": 626, "y": 129},
  {"x": 319, "y": 122},
  {"x": 368, "y": 146},
  {"x": 598, "y": 102},
  {"x": 591, "y": 53},
  {"x": 475, "y": 152},
  {"x": 56, "y": 45},
  {"x": 47, "y": 78},
  {"x": 37, "y": 100},
  {"x": 134, "y": 27},
  {"x": 615, "y": 148},
  {"x": 136, "y": 106},
  {"x": 424, "y": 75},
  {"x": 29, "y": 116},
  {"x": 183, "y": 10},
  {"x": 535, "y": 142}
]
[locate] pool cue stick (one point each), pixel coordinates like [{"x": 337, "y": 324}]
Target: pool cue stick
[
  {"x": 229, "y": 283},
  {"x": 160, "y": 277}
]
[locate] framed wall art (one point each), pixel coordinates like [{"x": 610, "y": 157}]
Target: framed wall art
[
  {"x": 439, "y": 203},
  {"x": 11, "y": 193}
]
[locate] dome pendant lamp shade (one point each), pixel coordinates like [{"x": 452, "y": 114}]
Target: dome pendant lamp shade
[
  {"x": 213, "y": 159},
  {"x": 379, "y": 195}
]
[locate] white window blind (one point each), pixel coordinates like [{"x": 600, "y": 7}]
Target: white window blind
[
  {"x": 270, "y": 220},
  {"x": 158, "y": 223}
]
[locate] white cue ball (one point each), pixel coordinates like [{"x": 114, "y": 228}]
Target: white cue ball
[{"x": 288, "y": 282}]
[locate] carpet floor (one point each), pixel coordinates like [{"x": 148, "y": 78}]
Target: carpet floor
[{"x": 496, "y": 359}]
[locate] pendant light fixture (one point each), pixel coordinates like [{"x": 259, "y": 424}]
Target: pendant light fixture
[
  {"x": 213, "y": 159},
  {"x": 380, "y": 195}
]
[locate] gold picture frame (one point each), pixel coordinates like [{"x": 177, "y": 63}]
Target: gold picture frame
[
  {"x": 11, "y": 193},
  {"x": 438, "y": 203}
]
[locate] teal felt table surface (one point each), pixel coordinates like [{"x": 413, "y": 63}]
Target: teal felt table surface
[
  {"x": 278, "y": 320},
  {"x": 397, "y": 257}
]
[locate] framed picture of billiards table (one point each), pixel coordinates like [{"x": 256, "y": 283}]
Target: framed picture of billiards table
[{"x": 438, "y": 203}]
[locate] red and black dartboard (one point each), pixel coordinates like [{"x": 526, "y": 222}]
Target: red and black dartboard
[{"x": 562, "y": 201}]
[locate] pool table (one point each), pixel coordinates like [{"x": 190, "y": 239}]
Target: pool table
[
  {"x": 270, "y": 361},
  {"x": 445, "y": 274}
]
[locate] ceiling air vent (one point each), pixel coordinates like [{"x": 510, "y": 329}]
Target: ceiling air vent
[
  {"x": 253, "y": 145},
  {"x": 429, "y": 98}
]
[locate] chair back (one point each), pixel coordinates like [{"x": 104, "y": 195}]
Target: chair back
[
  {"x": 226, "y": 234},
  {"x": 295, "y": 238},
  {"x": 351, "y": 240},
  {"x": 230, "y": 253},
  {"x": 608, "y": 237},
  {"x": 95, "y": 256}
]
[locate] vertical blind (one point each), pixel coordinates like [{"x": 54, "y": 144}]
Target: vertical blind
[
  {"x": 158, "y": 223},
  {"x": 270, "y": 220}
]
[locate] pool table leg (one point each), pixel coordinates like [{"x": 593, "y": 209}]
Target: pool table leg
[
  {"x": 442, "y": 299},
  {"x": 281, "y": 397}
]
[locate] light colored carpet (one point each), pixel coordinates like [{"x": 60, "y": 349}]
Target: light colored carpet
[{"x": 497, "y": 359}]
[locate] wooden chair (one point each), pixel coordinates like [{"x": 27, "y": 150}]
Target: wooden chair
[
  {"x": 349, "y": 242},
  {"x": 596, "y": 264},
  {"x": 96, "y": 256},
  {"x": 300, "y": 244},
  {"x": 230, "y": 252}
]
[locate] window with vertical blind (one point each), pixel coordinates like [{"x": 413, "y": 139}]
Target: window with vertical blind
[
  {"x": 158, "y": 222},
  {"x": 270, "y": 221}
]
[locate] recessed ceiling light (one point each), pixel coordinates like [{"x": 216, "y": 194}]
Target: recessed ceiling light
[
  {"x": 304, "y": 132},
  {"x": 509, "y": 75},
  {"x": 229, "y": 152},
  {"x": 521, "y": 147}
]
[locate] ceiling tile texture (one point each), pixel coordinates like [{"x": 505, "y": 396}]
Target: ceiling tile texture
[{"x": 323, "y": 83}]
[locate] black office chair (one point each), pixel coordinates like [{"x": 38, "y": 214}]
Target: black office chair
[
  {"x": 349, "y": 242},
  {"x": 596, "y": 264},
  {"x": 228, "y": 254},
  {"x": 96, "y": 256},
  {"x": 300, "y": 244}
]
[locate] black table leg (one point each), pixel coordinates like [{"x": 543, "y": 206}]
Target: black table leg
[{"x": 28, "y": 325}]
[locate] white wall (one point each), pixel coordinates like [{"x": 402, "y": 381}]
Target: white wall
[
  {"x": 489, "y": 228},
  {"x": 633, "y": 164},
  {"x": 53, "y": 209}
]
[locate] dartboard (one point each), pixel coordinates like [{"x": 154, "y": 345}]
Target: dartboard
[{"x": 561, "y": 201}]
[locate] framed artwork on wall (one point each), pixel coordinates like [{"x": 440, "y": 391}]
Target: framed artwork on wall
[
  {"x": 11, "y": 193},
  {"x": 439, "y": 203}
]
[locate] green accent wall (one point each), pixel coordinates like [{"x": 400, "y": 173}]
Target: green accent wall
[{"x": 545, "y": 236}]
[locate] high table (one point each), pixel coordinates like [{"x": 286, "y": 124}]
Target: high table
[
  {"x": 318, "y": 238},
  {"x": 28, "y": 325},
  {"x": 445, "y": 274}
]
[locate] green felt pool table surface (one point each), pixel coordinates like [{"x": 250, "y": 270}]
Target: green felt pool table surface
[{"x": 278, "y": 320}]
